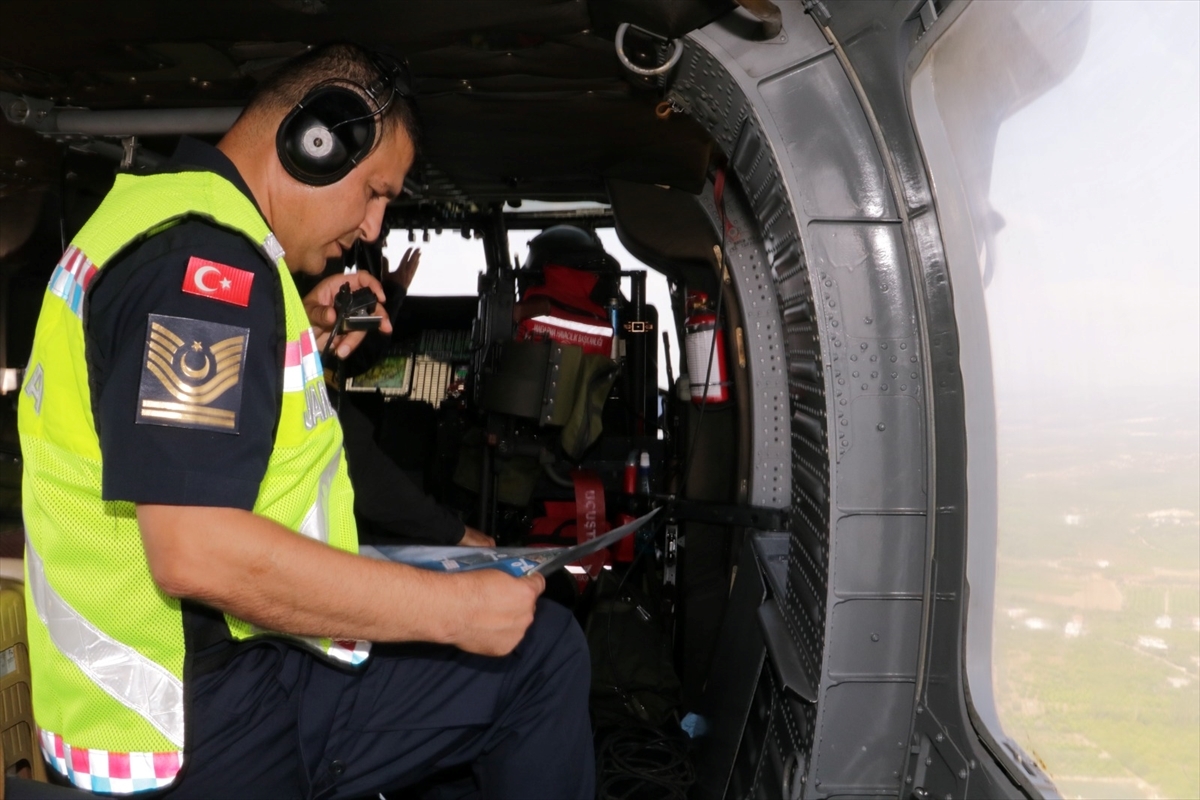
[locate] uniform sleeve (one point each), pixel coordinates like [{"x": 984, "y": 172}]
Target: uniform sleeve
[
  {"x": 186, "y": 388},
  {"x": 383, "y": 493}
]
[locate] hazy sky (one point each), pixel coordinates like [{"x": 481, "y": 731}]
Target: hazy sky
[{"x": 1097, "y": 277}]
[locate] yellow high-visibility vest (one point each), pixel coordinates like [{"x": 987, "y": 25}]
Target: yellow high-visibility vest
[{"x": 106, "y": 644}]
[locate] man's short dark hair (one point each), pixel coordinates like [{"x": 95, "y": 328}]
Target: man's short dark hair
[{"x": 340, "y": 61}]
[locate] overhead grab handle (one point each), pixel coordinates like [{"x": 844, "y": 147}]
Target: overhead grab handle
[
  {"x": 768, "y": 14},
  {"x": 652, "y": 72}
]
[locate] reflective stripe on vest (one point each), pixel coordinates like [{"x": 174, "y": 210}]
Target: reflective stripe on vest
[
  {"x": 110, "y": 772},
  {"x": 301, "y": 362},
  {"x": 71, "y": 277},
  {"x": 349, "y": 651},
  {"x": 316, "y": 521},
  {"x": 126, "y": 675},
  {"x": 273, "y": 248}
]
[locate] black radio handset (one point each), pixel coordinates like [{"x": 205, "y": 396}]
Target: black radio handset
[{"x": 353, "y": 314}]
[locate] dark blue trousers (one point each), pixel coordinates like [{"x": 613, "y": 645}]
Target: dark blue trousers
[{"x": 277, "y": 722}]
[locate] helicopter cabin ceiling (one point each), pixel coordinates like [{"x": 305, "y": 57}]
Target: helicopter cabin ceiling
[{"x": 517, "y": 99}]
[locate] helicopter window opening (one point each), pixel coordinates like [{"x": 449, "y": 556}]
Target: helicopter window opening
[
  {"x": 450, "y": 265},
  {"x": 1064, "y": 145}
]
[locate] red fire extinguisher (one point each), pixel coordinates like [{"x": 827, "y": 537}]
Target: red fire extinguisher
[{"x": 700, "y": 326}]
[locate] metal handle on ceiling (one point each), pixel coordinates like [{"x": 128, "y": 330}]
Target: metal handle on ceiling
[
  {"x": 57, "y": 121},
  {"x": 767, "y": 13},
  {"x": 662, "y": 69}
]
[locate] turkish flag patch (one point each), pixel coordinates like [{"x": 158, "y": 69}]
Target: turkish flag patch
[{"x": 218, "y": 281}]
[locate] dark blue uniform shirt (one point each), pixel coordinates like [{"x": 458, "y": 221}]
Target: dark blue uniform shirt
[{"x": 147, "y": 463}]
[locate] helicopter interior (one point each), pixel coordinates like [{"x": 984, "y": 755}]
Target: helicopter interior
[{"x": 782, "y": 604}]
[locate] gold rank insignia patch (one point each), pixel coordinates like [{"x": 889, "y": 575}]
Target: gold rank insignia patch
[{"x": 192, "y": 374}]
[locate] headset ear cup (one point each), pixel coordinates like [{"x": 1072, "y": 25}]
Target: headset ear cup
[
  {"x": 313, "y": 152},
  {"x": 325, "y": 135}
]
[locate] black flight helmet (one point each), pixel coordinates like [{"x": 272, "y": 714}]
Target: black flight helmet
[{"x": 569, "y": 246}]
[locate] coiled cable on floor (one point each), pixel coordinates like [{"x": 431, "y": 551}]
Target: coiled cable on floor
[{"x": 641, "y": 761}]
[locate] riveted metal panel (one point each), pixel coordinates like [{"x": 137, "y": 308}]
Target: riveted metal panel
[
  {"x": 880, "y": 449},
  {"x": 705, "y": 89},
  {"x": 877, "y": 555},
  {"x": 763, "y": 338},
  {"x": 773, "y": 757},
  {"x": 867, "y": 756},
  {"x": 839, "y": 172},
  {"x": 867, "y": 264},
  {"x": 759, "y": 57},
  {"x": 874, "y": 639}
]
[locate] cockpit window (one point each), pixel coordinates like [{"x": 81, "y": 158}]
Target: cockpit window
[
  {"x": 450, "y": 265},
  {"x": 1063, "y": 140}
]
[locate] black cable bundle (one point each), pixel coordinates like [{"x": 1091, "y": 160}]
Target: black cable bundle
[
  {"x": 642, "y": 762},
  {"x": 636, "y": 759}
]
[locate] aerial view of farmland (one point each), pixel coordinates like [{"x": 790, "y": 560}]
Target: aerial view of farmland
[{"x": 1097, "y": 628}]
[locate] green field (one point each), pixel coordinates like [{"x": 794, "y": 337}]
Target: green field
[{"x": 1099, "y": 543}]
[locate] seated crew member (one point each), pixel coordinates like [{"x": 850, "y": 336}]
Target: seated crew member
[
  {"x": 577, "y": 249},
  {"x": 195, "y": 600},
  {"x": 384, "y": 496}
]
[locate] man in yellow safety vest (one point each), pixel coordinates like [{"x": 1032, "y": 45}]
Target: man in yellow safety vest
[{"x": 199, "y": 617}]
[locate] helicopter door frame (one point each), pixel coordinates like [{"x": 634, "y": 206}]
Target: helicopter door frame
[{"x": 822, "y": 152}]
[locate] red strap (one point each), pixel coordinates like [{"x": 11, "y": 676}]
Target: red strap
[
  {"x": 719, "y": 198},
  {"x": 590, "y": 518}
]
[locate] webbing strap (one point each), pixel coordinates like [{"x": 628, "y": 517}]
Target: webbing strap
[
  {"x": 591, "y": 519},
  {"x": 719, "y": 200}
]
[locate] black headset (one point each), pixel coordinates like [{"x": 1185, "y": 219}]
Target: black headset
[{"x": 334, "y": 127}]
